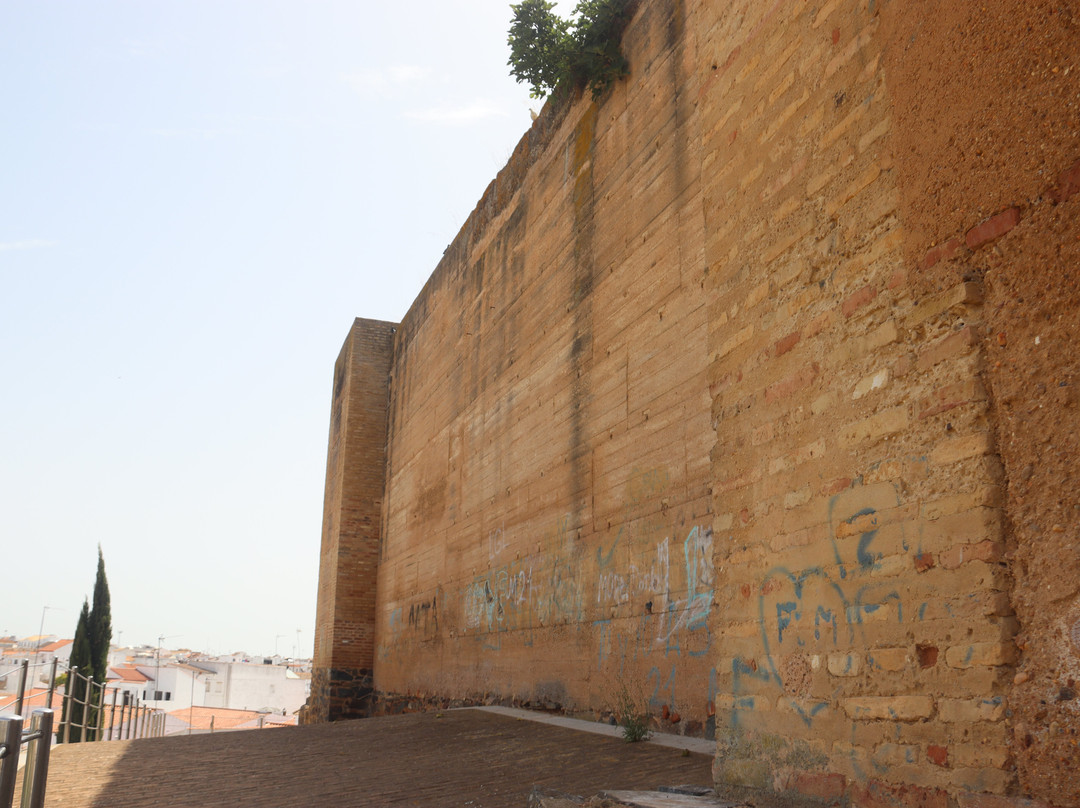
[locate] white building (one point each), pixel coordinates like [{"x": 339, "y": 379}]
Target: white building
[
  {"x": 250, "y": 686},
  {"x": 171, "y": 686},
  {"x": 174, "y": 686}
]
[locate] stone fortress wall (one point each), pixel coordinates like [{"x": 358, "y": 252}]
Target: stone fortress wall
[{"x": 749, "y": 388}]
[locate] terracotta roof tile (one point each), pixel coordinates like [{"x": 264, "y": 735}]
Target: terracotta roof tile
[{"x": 127, "y": 674}]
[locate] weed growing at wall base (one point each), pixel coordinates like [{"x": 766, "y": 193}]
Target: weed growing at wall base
[{"x": 633, "y": 712}]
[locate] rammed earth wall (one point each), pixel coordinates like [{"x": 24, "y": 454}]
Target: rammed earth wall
[{"x": 750, "y": 388}]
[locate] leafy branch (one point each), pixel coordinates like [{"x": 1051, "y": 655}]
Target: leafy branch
[{"x": 551, "y": 53}]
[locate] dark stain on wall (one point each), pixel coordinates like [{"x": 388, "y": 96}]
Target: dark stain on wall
[{"x": 584, "y": 200}]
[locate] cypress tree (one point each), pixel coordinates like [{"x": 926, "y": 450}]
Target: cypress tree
[
  {"x": 81, "y": 659},
  {"x": 90, "y": 654},
  {"x": 100, "y": 624}
]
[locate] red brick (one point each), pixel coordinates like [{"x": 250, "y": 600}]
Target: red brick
[
  {"x": 898, "y": 278},
  {"x": 927, "y": 655},
  {"x": 818, "y": 784},
  {"x": 941, "y": 252},
  {"x": 787, "y": 343},
  {"x": 924, "y": 561},
  {"x": 994, "y": 227},
  {"x": 836, "y": 486},
  {"x": 1068, "y": 183},
  {"x": 938, "y": 755},
  {"x": 858, "y": 299}
]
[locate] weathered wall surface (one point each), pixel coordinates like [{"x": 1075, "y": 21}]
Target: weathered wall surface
[
  {"x": 866, "y": 635},
  {"x": 355, "y": 480},
  {"x": 547, "y": 531},
  {"x": 989, "y": 190},
  {"x": 751, "y": 386}
]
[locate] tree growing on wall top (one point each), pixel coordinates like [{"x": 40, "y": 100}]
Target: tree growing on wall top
[{"x": 555, "y": 55}]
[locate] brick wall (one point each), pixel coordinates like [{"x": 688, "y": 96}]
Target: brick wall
[
  {"x": 866, "y": 635},
  {"x": 679, "y": 412},
  {"x": 355, "y": 482},
  {"x": 547, "y": 523},
  {"x": 989, "y": 190}
]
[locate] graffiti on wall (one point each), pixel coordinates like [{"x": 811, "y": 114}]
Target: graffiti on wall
[
  {"x": 813, "y": 615},
  {"x": 646, "y": 597},
  {"x": 641, "y": 599}
]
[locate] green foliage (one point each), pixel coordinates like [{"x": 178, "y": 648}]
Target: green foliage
[
  {"x": 90, "y": 652},
  {"x": 99, "y": 626},
  {"x": 539, "y": 41},
  {"x": 550, "y": 53},
  {"x": 597, "y": 60},
  {"x": 633, "y": 711},
  {"x": 81, "y": 659}
]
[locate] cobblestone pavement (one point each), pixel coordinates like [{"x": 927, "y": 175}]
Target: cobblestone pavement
[{"x": 459, "y": 758}]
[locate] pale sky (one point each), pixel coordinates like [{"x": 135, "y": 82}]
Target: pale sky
[{"x": 196, "y": 198}]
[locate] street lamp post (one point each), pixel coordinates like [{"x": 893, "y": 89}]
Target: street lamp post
[{"x": 41, "y": 628}]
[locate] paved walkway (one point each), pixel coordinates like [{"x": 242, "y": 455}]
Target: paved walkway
[{"x": 477, "y": 758}]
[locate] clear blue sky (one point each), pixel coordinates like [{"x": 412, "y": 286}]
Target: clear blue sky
[{"x": 196, "y": 199}]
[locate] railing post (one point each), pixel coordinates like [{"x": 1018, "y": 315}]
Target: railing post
[
  {"x": 10, "y": 739},
  {"x": 100, "y": 735},
  {"x": 52, "y": 683},
  {"x": 85, "y": 720},
  {"x": 36, "y": 770},
  {"x": 69, "y": 703},
  {"x": 19, "y": 697},
  {"x": 131, "y": 714},
  {"x": 112, "y": 712}
]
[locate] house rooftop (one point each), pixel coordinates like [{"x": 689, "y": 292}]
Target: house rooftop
[
  {"x": 56, "y": 646},
  {"x": 125, "y": 673}
]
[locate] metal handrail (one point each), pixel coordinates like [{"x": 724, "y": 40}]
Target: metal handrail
[
  {"x": 23, "y": 694},
  {"x": 91, "y": 725},
  {"x": 39, "y": 742}
]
